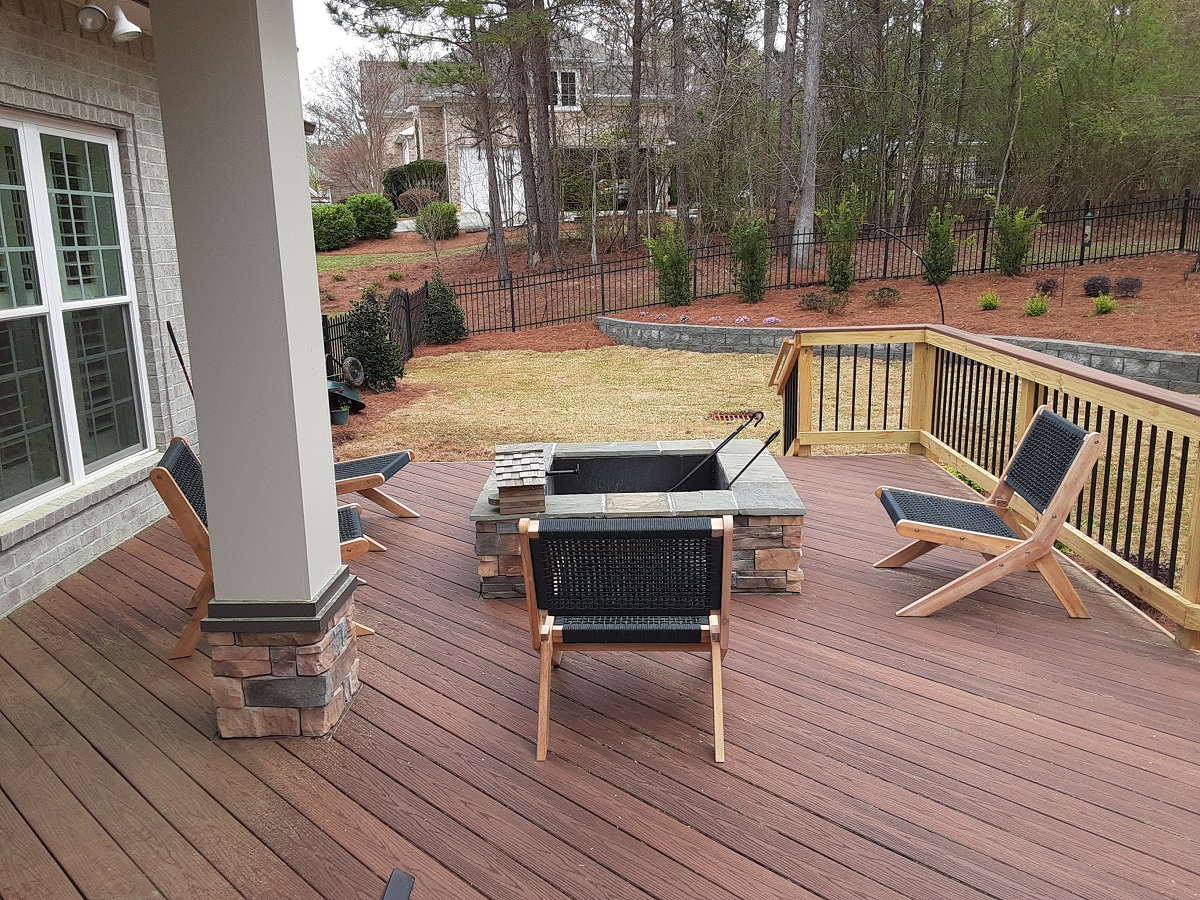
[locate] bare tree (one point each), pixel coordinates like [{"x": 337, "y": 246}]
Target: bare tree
[
  {"x": 810, "y": 109},
  {"x": 356, "y": 106}
]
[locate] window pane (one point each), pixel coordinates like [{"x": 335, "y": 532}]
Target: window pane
[
  {"x": 29, "y": 443},
  {"x": 102, "y": 375},
  {"x": 18, "y": 274},
  {"x": 84, "y": 212}
]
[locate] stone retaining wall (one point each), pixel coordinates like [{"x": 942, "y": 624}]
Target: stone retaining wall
[{"x": 1169, "y": 369}]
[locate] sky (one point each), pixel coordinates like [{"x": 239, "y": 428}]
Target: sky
[{"x": 318, "y": 39}]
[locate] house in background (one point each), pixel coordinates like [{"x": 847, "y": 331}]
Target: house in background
[{"x": 590, "y": 97}]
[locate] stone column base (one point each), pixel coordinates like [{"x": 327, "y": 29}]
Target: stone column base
[
  {"x": 766, "y": 554},
  {"x": 286, "y": 683}
]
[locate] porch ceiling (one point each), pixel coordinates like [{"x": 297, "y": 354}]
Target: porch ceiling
[{"x": 997, "y": 749}]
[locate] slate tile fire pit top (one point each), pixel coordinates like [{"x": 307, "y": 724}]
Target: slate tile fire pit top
[{"x": 763, "y": 490}]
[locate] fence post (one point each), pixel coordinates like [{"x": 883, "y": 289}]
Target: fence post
[
  {"x": 325, "y": 342},
  {"x": 1183, "y": 219},
  {"x": 512, "y": 303},
  {"x": 412, "y": 340},
  {"x": 887, "y": 249},
  {"x": 987, "y": 227},
  {"x": 791, "y": 246},
  {"x": 1085, "y": 237},
  {"x": 695, "y": 274},
  {"x": 603, "y": 304}
]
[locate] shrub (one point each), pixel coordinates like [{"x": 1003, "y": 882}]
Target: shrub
[
  {"x": 1047, "y": 285},
  {"x": 1104, "y": 304},
  {"x": 841, "y": 224},
  {"x": 1013, "y": 239},
  {"x": 338, "y": 276},
  {"x": 751, "y": 252},
  {"x": 1037, "y": 305},
  {"x": 333, "y": 226},
  {"x": 883, "y": 297},
  {"x": 835, "y": 304},
  {"x": 373, "y": 213},
  {"x": 813, "y": 301},
  {"x": 444, "y": 320},
  {"x": 941, "y": 249},
  {"x": 413, "y": 199},
  {"x": 989, "y": 300},
  {"x": 670, "y": 258},
  {"x": 422, "y": 174},
  {"x": 369, "y": 339},
  {"x": 395, "y": 276},
  {"x": 437, "y": 221},
  {"x": 1097, "y": 285},
  {"x": 1128, "y": 286}
]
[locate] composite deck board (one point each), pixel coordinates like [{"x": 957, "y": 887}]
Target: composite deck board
[{"x": 997, "y": 749}]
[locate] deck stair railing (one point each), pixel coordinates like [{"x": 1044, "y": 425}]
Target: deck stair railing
[{"x": 964, "y": 400}]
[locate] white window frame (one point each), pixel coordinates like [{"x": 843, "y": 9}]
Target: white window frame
[
  {"x": 53, "y": 309},
  {"x": 557, "y": 74}
]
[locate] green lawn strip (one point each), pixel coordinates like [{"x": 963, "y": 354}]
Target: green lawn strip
[{"x": 335, "y": 263}]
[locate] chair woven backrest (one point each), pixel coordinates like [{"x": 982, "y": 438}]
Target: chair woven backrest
[
  {"x": 1045, "y": 455},
  {"x": 627, "y": 567},
  {"x": 184, "y": 467}
]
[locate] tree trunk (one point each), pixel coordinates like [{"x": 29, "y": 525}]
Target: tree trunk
[
  {"x": 770, "y": 31},
  {"x": 483, "y": 112},
  {"x": 678, "y": 128},
  {"x": 787, "y": 101},
  {"x": 1016, "y": 34},
  {"x": 899, "y": 191},
  {"x": 519, "y": 78},
  {"x": 961, "y": 105},
  {"x": 547, "y": 160},
  {"x": 632, "y": 236},
  {"x": 879, "y": 18},
  {"x": 921, "y": 114},
  {"x": 810, "y": 109}
]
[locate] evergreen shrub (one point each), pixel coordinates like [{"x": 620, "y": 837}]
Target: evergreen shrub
[
  {"x": 444, "y": 319},
  {"x": 1013, "y": 238},
  {"x": 374, "y": 215},
  {"x": 751, "y": 252},
  {"x": 333, "y": 226},
  {"x": 670, "y": 257},
  {"x": 369, "y": 339}
]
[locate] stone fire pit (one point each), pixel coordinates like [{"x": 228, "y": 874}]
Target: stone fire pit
[{"x": 632, "y": 479}]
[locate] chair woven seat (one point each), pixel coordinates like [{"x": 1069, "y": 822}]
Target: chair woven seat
[
  {"x": 386, "y": 464},
  {"x": 349, "y": 524},
  {"x": 930, "y": 510},
  {"x": 631, "y": 629}
]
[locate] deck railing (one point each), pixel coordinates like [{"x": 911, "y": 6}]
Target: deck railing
[{"x": 964, "y": 401}]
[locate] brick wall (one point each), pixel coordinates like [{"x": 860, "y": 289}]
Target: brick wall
[{"x": 53, "y": 69}]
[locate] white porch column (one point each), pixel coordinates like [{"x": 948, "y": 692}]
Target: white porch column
[{"x": 239, "y": 190}]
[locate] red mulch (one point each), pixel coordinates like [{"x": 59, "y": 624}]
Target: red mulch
[{"x": 1166, "y": 315}]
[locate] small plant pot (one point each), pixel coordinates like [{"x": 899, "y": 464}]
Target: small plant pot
[{"x": 339, "y": 416}]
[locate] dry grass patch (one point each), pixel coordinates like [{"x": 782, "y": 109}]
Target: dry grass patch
[{"x": 459, "y": 406}]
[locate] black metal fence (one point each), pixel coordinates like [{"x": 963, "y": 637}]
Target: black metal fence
[
  {"x": 1067, "y": 237},
  {"x": 406, "y": 316}
]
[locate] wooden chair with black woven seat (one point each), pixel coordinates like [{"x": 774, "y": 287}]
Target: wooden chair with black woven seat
[
  {"x": 179, "y": 480},
  {"x": 1047, "y": 470},
  {"x": 628, "y": 584},
  {"x": 365, "y": 476}
]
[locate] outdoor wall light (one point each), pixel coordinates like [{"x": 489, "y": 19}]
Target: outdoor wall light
[{"x": 93, "y": 19}]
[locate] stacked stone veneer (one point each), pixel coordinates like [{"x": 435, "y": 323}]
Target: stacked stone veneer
[
  {"x": 284, "y": 684},
  {"x": 768, "y": 516}
]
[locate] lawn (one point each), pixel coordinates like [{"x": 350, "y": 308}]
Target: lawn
[{"x": 459, "y": 406}]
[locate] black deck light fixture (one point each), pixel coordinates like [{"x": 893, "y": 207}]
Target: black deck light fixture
[{"x": 936, "y": 287}]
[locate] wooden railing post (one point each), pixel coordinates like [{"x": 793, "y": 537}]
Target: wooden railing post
[
  {"x": 804, "y": 398},
  {"x": 1187, "y": 633},
  {"x": 920, "y": 416}
]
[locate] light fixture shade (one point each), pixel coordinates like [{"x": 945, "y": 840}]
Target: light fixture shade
[
  {"x": 92, "y": 18},
  {"x": 123, "y": 29}
]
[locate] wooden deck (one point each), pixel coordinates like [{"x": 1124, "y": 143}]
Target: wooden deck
[{"x": 997, "y": 749}]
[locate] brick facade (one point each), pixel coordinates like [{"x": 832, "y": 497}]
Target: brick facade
[{"x": 51, "y": 68}]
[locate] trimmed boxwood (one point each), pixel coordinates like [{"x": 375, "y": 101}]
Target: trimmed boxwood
[
  {"x": 437, "y": 221},
  {"x": 334, "y": 226},
  {"x": 374, "y": 214}
]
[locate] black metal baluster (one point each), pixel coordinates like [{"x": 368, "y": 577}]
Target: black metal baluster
[
  {"x": 1108, "y": 452},
  {"x": 1091, "y": 513},
  {"x": 1119, "y": 487},
  {"x": 905, "y": 353},
  {"x": 837, "y": 392},
  {"x": 821, "y": 394},
  {"x": 1133, "y": 480},
  {"x": 871, "y": 386},
  {"x": 1146, "y": 495},
  {"x": 854, "y": 390},
  {"x": 1161, "y": 518},
  {"x": 1184, "y": 448},
  {"x": 887, "y": 383}
]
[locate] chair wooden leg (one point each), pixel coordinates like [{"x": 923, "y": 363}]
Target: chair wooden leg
[
  {"x": 395, "y": 507},
  {"x": 718, "y": 706},
  {"x": 186, "y": 645},
  {"x": 1006, "y": 563},
  {"x": 556, "y": 659},
  {"x": 361, "y": 630},
  {"x": 1061, "y": 585},
  {"x": 373, "y": 546},
  {"x": 205, "y": 585},
  {"x": 543, "y": 725},
  {"x": 905, "y": 554}
]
